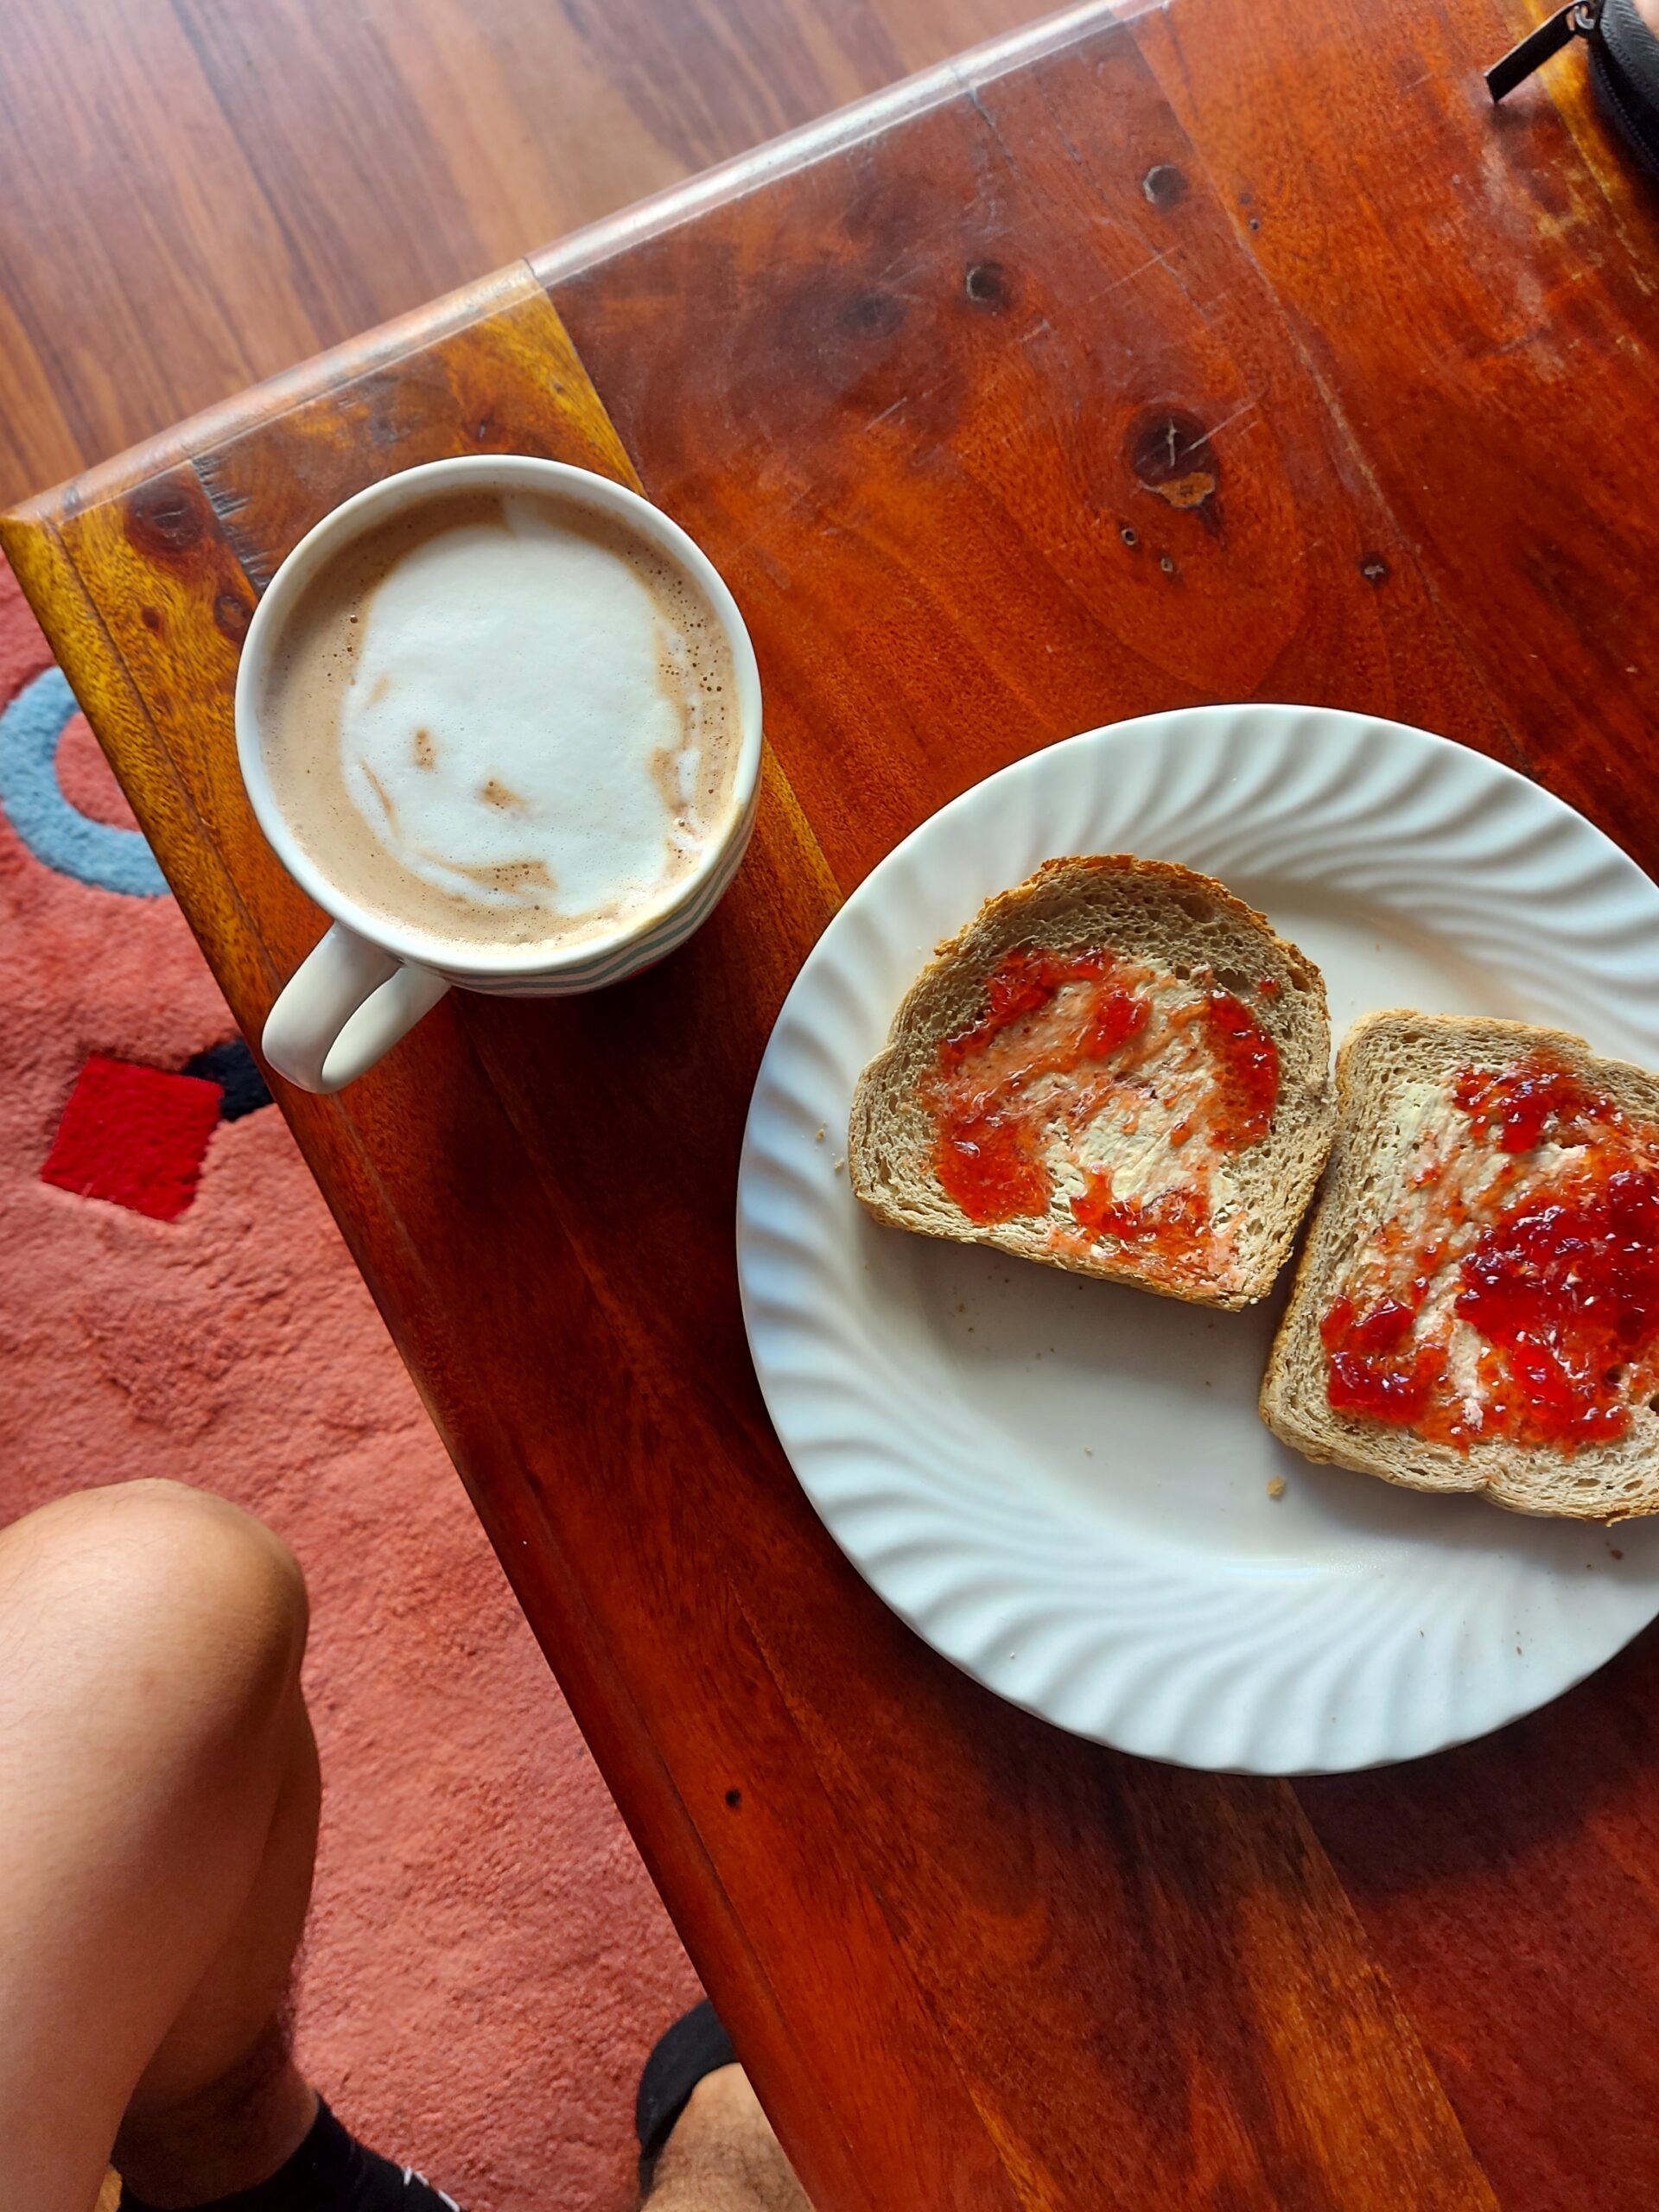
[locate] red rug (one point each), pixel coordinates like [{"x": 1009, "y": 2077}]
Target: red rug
[{"x": 487, "y": 1963}]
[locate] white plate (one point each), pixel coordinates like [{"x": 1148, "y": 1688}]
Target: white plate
[{"x": 1062, "y": 1485}]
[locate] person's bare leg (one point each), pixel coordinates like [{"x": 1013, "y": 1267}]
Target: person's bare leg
[
  {"x": 722, "y": 2156},
  {"x": 159, "y": 1784}
]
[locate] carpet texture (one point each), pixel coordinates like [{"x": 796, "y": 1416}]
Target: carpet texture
[{"x": 487, "y": 1963}]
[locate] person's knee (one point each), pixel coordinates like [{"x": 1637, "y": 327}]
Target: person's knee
[{"x": 153, "y": 1574}]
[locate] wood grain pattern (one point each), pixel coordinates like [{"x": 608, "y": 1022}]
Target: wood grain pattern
[
  {"x": 826, "y": 1905},
  {"x": 1022, "y": 403},
  {"x": 1395, "y": 298},
  {"x": 993, "y": 340},
  {"x": 194, "y": 194},
  {"x": 1489, "y": 355}
]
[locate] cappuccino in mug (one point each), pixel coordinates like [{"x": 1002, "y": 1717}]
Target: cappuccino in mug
[{"x": 500, "y": 718}]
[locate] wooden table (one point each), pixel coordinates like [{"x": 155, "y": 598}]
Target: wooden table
[{"x": 1229, "y": 350}]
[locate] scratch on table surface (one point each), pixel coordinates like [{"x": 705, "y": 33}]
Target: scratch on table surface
[
  {"x": 907, "y": 399},
  {"x": 1152, "y": 261},
  {"x": 1069, "y": 146},
  {"x": 1228, "y": 421},
  {"x": 1073, "y": 154},
  {"x": 976, "y": 101},
  {"x": 773, "y": 516}
]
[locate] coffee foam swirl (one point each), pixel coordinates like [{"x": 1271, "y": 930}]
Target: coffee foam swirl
[{"x": 502, "y": 720}]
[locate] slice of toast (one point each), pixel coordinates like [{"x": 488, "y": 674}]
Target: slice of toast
[
  {"x": 1160, "y": 1118},
  {"x": 1465, "y": 1218}
]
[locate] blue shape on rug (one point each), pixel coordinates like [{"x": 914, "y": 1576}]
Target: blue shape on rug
[{"x": 59, "y": 835}]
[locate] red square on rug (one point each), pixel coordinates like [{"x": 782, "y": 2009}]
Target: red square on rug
[{"x": 134, "y": 1136}]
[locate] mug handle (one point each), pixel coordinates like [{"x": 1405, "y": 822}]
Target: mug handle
[{"x": 347, "y": 1003}]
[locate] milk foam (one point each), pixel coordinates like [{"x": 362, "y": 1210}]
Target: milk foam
[
  {"x": 502, "y": 719},
  {"x": 508, "y": 732}
]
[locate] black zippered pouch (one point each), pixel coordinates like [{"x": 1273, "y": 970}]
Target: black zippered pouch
[{"x": 1624, "y": 56}]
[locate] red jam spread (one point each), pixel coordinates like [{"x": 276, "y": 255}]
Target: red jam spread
[
  {"x": 1512, "y": 1107},
  {"x": 991, "y": 1165},
  {"x": 1246, "y": 1060},
  {"x": 1028, "y": 979},
  {"x": 1551, "y": 1267},
  {"x": 1368, "y": 1372},
  {"x": 1175, "y": 1223},
  {"x": 1068, "y": 1038}
]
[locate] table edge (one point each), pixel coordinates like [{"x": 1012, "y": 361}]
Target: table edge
[{"x": 540, "y": 269}]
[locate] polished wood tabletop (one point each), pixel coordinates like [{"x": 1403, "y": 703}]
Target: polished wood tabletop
[{"x": 1219, "y": 351}]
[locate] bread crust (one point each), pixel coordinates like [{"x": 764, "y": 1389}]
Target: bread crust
[
  {"x": 1599, "y": 1482},
  {"x": 1155, "y": 911}
]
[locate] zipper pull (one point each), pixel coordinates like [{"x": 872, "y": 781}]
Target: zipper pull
[{"x": 1579, "y": 19}]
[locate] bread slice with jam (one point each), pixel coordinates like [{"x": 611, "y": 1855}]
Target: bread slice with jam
[
  {"x": 1477, "y": 1305},
  {"x": 1116, "y": 1068}
]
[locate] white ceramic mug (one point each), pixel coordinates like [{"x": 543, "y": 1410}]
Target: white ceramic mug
[{"x": 369, "y": 982}]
